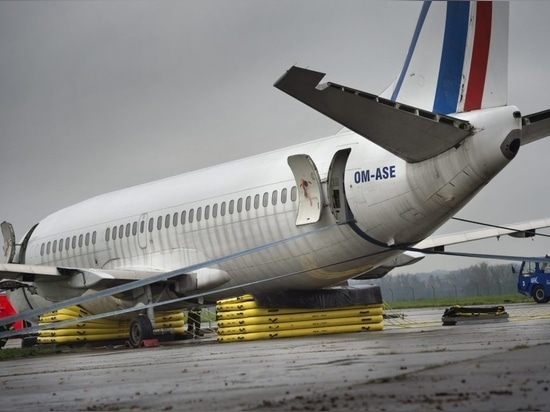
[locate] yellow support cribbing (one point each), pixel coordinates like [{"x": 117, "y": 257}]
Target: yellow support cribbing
[{"x": 241, "y": 319}]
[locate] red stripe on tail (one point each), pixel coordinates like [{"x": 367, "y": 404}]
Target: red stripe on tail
[{"x": 480, "y": 56}]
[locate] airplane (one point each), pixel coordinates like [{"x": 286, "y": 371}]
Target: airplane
[{"x": 311, "y": 216}]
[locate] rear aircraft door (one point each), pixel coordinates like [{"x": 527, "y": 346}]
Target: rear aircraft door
[
  {"x": 309, "y": 188},
  {"x": 336, "y": 188}
]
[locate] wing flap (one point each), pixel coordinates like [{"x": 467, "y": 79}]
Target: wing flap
[
  {"x": 29, "y": 273},
  {"x": 75, "y": 277},
  {"x": 408, "y": 132}
]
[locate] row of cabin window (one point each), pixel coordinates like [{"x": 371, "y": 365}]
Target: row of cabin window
[
  {"x": 122, "y": 230},
  {"x": 57, "y": 246},
  {"x": 175, "y": 219}
]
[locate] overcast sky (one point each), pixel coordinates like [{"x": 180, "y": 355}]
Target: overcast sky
[{"x": 99, "y": 95}]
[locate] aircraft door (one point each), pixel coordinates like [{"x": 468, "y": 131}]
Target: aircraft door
[
  {"x": 309, "y": 188},
  {"x": 142, "y": 231},
  {"x": 23, "y": 246},
  {"x": 336, "y": 188},
  {"x": 13, "y": 252},
  {"x": 9, "y": 241}
]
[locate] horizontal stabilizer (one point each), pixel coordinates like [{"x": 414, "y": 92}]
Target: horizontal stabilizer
[
  {"x": 535, "y": 126},
  {"x": 408, "y": 132}
]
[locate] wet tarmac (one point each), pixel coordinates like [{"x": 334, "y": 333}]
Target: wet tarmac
[{"x": 414, "y": 364}]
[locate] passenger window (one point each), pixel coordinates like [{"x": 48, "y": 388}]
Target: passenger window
[
  {"x": 231, "y": 207},
  {"x": 274, "y": 198},
  {"x": 134, "y": 228},
  {"x": 74, "y": 242},
  {"x": 93, "y": 237},
  {"x": 114, "y": 233},
  {"x": 265, "y": 200},
  {"x": 183, "y": 217},
  {"x": 54, "y": 246},
  {"x": 80, "y": 239},
  {"x": 121, "y": 231},
  {"x": 87, "y": 239},
  {"x": 142, "y": 226},
  {"x": 42, "y": 249},
  {"x": 207, "y": 212},
  {"x": 67, "y": 243},
  {"x": 283, "y": 195},
  {"x": 256, "y": 201},
  {"x": 293, "y": 193},
  {"x": 240, "y": 205},
  {"x": 190, "y": 217},
  {"x": 107, "y": 233},
  {"x": 167, "y": 221},
  {"x": 159, "y": 222},
  {"x": 127, "y": 230},
  {"x": 199, "y": 214},
  {"x": 61, "y": 245},
  {"x": 175, "y": 219},
  {"x": 48, "y": 248},
  {"x": 150, "y": 226},
  {"x": 215, "y": 210},
  {"x": 248, "y": 202},
  {"x": 222, "y": 209}
]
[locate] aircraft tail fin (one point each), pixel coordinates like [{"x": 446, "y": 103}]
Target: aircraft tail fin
[{"x": 458, "y": 58}]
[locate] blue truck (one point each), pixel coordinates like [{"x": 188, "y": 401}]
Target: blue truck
[{"x": 534, "y": 280}]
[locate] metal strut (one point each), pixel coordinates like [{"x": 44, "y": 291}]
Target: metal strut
[{"x": 150, "y": 308}]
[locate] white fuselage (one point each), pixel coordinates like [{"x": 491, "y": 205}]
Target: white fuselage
[{"x": 195, "y": 217}]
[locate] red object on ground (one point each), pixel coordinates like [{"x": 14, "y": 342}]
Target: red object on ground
[{"x": 6, "y": 309}]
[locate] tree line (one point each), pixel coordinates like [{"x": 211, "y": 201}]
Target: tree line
[{"x": 478, "y": 280}]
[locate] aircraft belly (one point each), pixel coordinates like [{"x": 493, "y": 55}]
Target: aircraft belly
[{"x": 305, "y": 263}]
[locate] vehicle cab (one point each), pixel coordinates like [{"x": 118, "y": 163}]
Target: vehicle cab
[{"x": 534, "y": 280}]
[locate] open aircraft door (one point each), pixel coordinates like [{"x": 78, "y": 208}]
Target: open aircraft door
[
  {"x": 309, "y": 189},
  {"x": 13, "y": 252},
  {"x": 9, "y": 241},
  {"x": 336, "y": 189}
]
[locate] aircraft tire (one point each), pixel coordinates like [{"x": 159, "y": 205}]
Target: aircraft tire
[
  {"x": 29, "y": 341},
  {"x": 3, "y": 341},
  {"x": 539, "y": 295},
  {"x": 140, "y": 330}
]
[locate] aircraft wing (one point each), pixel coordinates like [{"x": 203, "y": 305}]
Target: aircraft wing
[
  {"x": 522, "y": 229},
  {"x": 535, "y": 126},
  {"x": 380, "y": 120},
  {"x": 75, "y": 277},
  {"x": 436, "y": 244}
]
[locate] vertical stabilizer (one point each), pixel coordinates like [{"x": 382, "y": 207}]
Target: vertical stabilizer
[{"x": 458, "y": 58}]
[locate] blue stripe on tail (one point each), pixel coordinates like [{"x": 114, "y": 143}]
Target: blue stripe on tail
[{"x": 452, "y": 57}]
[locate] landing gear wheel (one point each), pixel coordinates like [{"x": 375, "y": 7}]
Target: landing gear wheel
[
  {"x": 140, "y": 330},
  {"x": 3, "y": 341},
  {"x": 29, "y": 341},
  {"x": 539, "y": 295},
  {"x": 5, "y": 328}
]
